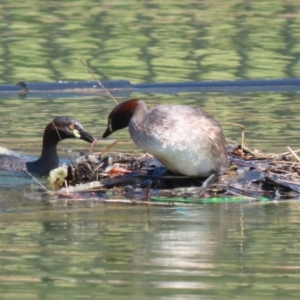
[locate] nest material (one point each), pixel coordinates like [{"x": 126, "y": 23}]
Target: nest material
[{"x": 137, "y": 177}]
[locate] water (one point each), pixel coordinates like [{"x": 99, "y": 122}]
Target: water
[
  {"x": 88, "y": 250},
  {"x": 93, "y": 251}
]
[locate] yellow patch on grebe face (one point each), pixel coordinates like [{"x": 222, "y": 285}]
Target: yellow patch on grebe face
[
  {"x": 76, "y": 133},
  {"x": 109, "y": 124}
]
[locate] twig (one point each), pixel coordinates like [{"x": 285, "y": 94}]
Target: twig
[
  {"x": 104, "y": 88},
  {"x": 294, "y": 154},
  {"x": 97, "y": 168},
  {"x": 206, "y": 184},
  {"x": 148, "y": 191},
  {"x": 107, "y": 148},
  {"x": 36, "y": 180},
  {"x": 243, "y": 132},
  {"x": 67, "y": 187},
  {"x": 287, "y": 162},
  {"x": 285, "y": 153},
  {"x": 92, "y": 146}
]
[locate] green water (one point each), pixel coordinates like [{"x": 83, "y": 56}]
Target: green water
[
  {"x": 88, "y": 250},
  {"x": 93, "y": 251}
]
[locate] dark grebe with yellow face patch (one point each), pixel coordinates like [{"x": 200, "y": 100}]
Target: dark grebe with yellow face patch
[
  {"x": 60, "y": 128},
  {"x": 185, "y": 139}
]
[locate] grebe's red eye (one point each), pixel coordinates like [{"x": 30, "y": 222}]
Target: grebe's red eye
[{"x": 72, "y": 126}]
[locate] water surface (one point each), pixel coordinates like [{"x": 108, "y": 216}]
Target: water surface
[
  {"x": 92, "y": 251},
  {"x": 88, "y": 250}
]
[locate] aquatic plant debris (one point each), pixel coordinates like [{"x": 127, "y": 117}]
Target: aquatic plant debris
[
  {"x": 211, "y": 200},
  {"x": 135, "y": 177}
]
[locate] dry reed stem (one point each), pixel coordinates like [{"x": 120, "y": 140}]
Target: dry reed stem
[
  {"x": 288, "y": 162},
  {"x": 293, "y": 153},
  {"x": 93, "y": 145},
  {"x": 148, "y": 189},
  {"x": 67, "y": 187},
  {"x": 242, "y": 129},
  {"x": 286, "y": 153},
  {"x": 107, "y": 148},
  {"x": 100, "y": 83},
  {"x": 36, "y": 180}
]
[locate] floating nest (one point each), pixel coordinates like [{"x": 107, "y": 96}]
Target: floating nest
[{"x": 140, "y": 178}]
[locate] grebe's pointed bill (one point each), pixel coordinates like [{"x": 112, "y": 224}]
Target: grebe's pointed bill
[
  {"x": 67, "y": 127},
  {"x": 108, "y": 130},
  {"x": 106, "y": 133},
  {"x": 83, "y": 135},
  {"x": 120, "y": 116}
]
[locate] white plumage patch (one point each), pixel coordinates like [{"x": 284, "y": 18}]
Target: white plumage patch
[{"x": 184, "y": 139}]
